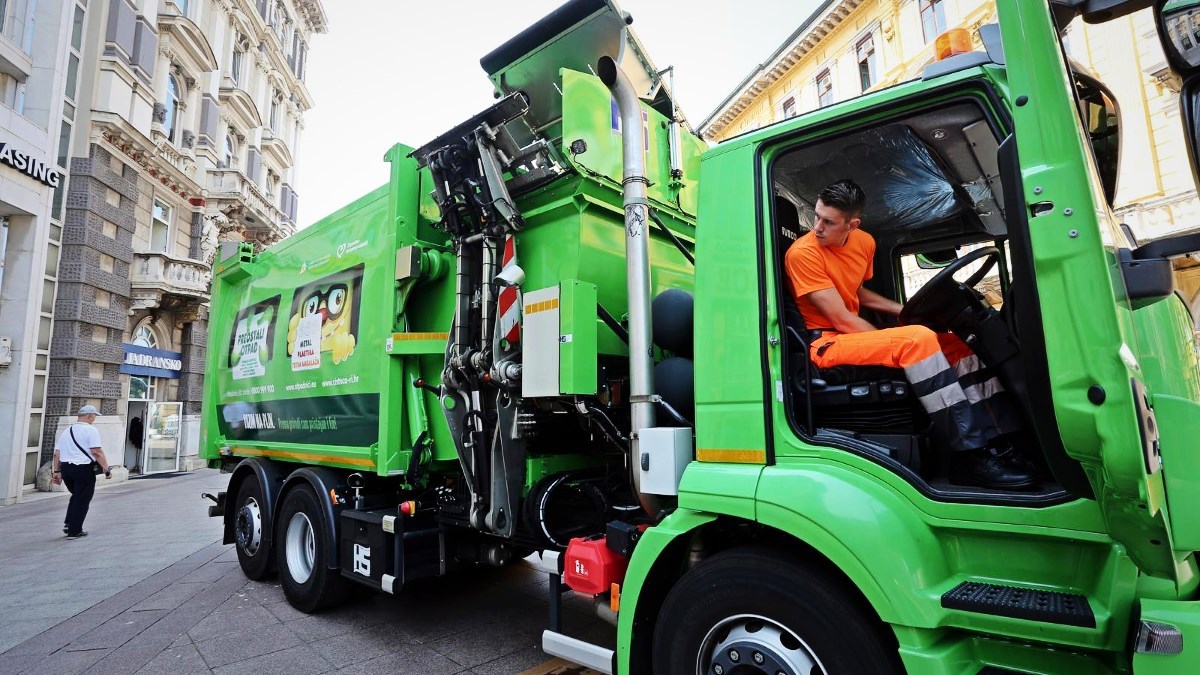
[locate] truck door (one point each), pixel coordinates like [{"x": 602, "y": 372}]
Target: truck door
[{"x": 1096, "y": 385}]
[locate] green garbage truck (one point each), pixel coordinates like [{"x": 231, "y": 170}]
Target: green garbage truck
[{"x": 563, "y": 327}]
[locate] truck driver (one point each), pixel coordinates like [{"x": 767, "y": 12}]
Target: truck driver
[{"x": 826, "y": 269}]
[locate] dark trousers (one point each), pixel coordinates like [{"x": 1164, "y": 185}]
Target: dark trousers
[{"x": 81, "y": 483}]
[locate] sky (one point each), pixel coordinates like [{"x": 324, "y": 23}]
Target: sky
[{"x": 405, "y": 71}]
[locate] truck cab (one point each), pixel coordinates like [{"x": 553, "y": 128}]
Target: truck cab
[{"x": 990, "y": 183}]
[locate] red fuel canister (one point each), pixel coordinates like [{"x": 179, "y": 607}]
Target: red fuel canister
[{"x": 591, "y": 567}]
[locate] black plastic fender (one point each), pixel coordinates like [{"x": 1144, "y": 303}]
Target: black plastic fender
[
  {"x": 270, "y": 477},
  {"x": 322, "y": 481}
]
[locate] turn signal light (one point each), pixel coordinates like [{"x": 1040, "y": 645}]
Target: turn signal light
[{"x": 952, "y": 42}]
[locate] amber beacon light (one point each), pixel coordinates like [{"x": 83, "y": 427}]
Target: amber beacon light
[{"x": 953, "y": 41}]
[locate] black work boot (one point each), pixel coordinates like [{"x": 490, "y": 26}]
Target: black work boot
[{"x": 985, "y": 468}]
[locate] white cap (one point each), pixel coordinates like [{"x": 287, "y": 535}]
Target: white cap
[{"x": 88, "y": 410}]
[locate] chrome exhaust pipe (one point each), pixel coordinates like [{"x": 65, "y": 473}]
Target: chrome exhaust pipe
[{"x": 637, "y": 266}]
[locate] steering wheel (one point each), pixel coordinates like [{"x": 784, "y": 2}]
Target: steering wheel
[{"x": 943, "y": 297}]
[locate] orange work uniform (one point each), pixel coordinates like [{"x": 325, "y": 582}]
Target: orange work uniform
[{"x": 960, "y": 395}]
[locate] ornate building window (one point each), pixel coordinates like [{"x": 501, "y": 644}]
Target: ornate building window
[
  {"x": 239, "y": 58},
  {"x": 824, "y": 89},
  {"x": 283, "y": 22},
  {"x": 789, "y": 107},
  {"x": 276, "y": 97},
  {"x": 933, "y": 19},
  {"x": 160, "y": 227},
  {"x": 865, "y": 53},
  {"x": 230, "y": 151},
  {"x": 143, "y": 387},
  {"x": 172, "y": 107},
  {"x": 144, "y": 337}
]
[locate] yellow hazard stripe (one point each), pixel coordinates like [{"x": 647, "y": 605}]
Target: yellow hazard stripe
[
  {"x": 419, "y": 336},
  {"x": 545, "y": 305},
  {"x": 305, "y": 456},
  {"x": 732, "y": 456}
]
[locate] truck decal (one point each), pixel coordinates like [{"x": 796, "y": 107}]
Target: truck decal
[
  {"x": 324, "y": 318},
  {"x": 347, "y": 419},
  {"x": 362, "y": 560},
  {"x": 251, "y": 345}
]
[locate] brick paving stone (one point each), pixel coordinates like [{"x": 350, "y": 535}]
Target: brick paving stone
[
  {"x": 301, "y": 660},
  {"x": 351, "y": 648},
  {"x": 235, "y": 615},
  {"x": 526, "y": 658},
  {"x": 246, "y": 645},
  {"x": 175, "y": 661},
  {"x": 415, "y": 660},
  {"x": 488, "y": 643},
  {"x": 172, "y": 596},
  {"x": 116, "y": 631}
]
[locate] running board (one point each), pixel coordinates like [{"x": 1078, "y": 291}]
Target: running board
[
  {"x": 1021, "y": 603},
  {"x": 583, "y": 653}
]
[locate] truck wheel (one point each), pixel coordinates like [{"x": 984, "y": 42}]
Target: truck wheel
[
  {"x": 749, "y": 610},
  {"x": 251, "y": 524},
  {"x": 308, "y": 583}
]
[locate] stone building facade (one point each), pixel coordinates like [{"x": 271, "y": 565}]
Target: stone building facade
[
  {"x": 37, "y": 89},
  {"x": 188, "y": 125}
]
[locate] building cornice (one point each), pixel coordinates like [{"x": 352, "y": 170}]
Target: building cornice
[
  {"x": 313, "y": 15},
  {"x": 819, "y": 24},
  {"x": 161, "y": 162},
  {"x": 275, "y": 148},
  {"x": 181, "y": 35},
  {"x": 240, "y": 106}
]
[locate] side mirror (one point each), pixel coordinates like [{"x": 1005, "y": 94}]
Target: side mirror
[
  {"x": 1178, "y": 23},
  {"x": 936, "y": 260},
  {"x": 1179, "y": 31}
]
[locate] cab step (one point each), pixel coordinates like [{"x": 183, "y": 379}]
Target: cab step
[
  {"x": 554, "y": 642},
  {"x": 1021, "y": 603},
  {"x": 586, "y": 654}
]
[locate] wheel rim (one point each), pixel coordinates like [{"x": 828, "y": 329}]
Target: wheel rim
[
  {"x": 249, "y": 526},
  {"x": 301, "y": 547},
  {"x": 748, "y": 644}
]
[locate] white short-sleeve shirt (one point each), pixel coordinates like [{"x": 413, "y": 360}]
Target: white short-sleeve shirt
[{"x": 88, "y": 437}]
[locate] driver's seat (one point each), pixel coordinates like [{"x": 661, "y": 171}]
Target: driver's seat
[
  {"x": 855, "y": 398},
  {"x": 868, "y": 399}
]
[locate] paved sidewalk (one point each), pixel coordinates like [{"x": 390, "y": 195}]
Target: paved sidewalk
[
  {"x": 136, "y": 528},
  {"x": 169, "y": 598}
]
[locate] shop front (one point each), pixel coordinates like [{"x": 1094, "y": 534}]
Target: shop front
[
  {"x": 30, "y": 237},
  {"x": 152, "y": 438}
]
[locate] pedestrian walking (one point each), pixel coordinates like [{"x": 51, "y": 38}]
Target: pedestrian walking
[{"x": 78, "y": 458}]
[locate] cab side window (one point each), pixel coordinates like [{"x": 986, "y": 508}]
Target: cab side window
[{"x": 1101, "y": 119}]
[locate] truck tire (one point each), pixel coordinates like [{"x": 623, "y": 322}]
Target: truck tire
[
  {"x": 251, "y": 525},
  {"x": 304, "y": 573},
  {"x": 754, "y": 611}
]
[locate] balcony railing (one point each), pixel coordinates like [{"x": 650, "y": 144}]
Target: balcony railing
[
  {"x": 158, "y": 276},
  {"x": 225, "y": 185}
]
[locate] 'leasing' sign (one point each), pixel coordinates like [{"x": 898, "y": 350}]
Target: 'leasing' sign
[{"x": 34, "y": 168}]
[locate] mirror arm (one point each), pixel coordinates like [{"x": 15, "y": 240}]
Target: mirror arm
[
  {"x": 1169, "y": 247},
  {"x": 1095, "y": 11}
]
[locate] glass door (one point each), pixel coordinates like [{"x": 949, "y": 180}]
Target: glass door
[{"x": 160, "y": 450}]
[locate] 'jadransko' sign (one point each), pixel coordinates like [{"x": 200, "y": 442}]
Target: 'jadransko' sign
[{"x": 152, "y": 362}]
